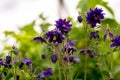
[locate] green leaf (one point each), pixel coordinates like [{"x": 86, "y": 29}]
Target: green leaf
[
  {"x": 83, "y": 5},
  {"x": 29, "y": 29},
  {"x": 111, "y": 22},
  {"x": 9, "y": 76},
  {"x": 9, "y": 33},
  {"x": 106, "y": 73}
]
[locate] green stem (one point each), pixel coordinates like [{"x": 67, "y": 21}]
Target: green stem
[
  {"x": 85, "y": 64},
  {"x": 59, "y": 65},
  {"x": 111, "y": 64}
]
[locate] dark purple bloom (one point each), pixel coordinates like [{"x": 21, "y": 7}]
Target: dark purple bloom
[
  {"x": 74, "y": 59},
  {"x": 46, "y": 73},
  {"x": 63, "y": 25},
  {"x": 94, "y": 35},
  {"x": 94, "y": 16},
  {"x": 27, "y": 61},
  {"x": 80, "y": 18},
  {"x": 69, "y": 47},
  {"x": 115, "y": 41},
  {"x": 105, "y": 36},
  {"x": 2, "y": 63},
  {"x": 91, "y": 53},
  {"x": 109, "y": 34},
  {"x": 43, "y": 56},
  {"x": 38, "y": 38},
  {"x": 55, "y": 36},
  {"x": 8, "y": 59},
  {"x": 54, "y": 58}
]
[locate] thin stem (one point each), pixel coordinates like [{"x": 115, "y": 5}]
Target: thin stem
[
  {"x": 85, "y": 64},
  {"x": 101, "y": 70},
  {"x": 111, "y": 63},
  {"x": 59, "y": 63}
]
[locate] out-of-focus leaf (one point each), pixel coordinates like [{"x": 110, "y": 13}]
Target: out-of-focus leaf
[
  {"x": 29, "y": 29},
  {"x": 106, "y": 73},
  {"x": 111, "y": 22},
  {"x": 9, "y": 76},
  {"x": 83, "y": 5},
  {"x": 42, "y": 16},
  {"x": 7, "y": 47},
  {"x": 9, "y": 33},
  {"x": 44, "y": 25}
]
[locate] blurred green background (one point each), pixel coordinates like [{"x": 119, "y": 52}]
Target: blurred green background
[{"x": 33, "y": 50}]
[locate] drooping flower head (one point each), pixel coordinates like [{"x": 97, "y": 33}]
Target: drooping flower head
[
  {"x": 46, "y": 73},
  {"x": 69, "y": 47},
  {"x": 108, "y": 33},
  {"x": 91, "y": 53},
  {"x": 38, "y": 38},
  {"x": 115, "y": 41},
  {"x": 63, "y": 25},
  {"x": 94, "y": 35},
  {"x": 74, "y": 59},
  {"x": 55, "y": 36},
  {"x": 94, "y": 16},
  {"x": 27, "y": 61}
]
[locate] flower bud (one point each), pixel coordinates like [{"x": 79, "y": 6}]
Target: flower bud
[
  {"x": 43, "y": 56},
  {"x": 54, "y": 58},
  {"x": 8, "y": 59},
  {"x": 80, "y": 18}
]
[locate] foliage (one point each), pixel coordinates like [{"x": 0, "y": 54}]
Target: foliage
[{"x": 98, "y": 68}]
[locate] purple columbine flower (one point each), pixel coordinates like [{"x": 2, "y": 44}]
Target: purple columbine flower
[
  {"x": 27, "y": 61},
  {"x": 74, "y": 59},
  {"x": 69, "y": 47},
  {"x": 55, "y": 36},
  {"x": 115, "y": 41},
  {"x": 63, "y": 25},
  {"x": 91, "y": 53},
  {"x": 38, "y": 38},
  {"x": 94, "y": 16},
  {"x": 46, "y": 73},
  {"x": 94, "y": 35},
  {"x": 54, "y": 58}
]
